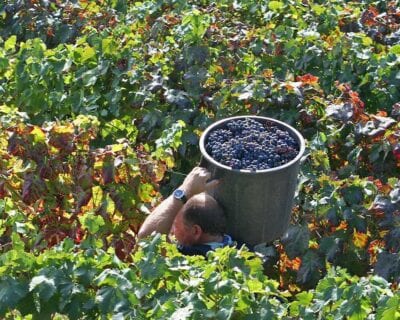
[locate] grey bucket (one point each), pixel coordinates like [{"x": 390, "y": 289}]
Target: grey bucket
[{"x": 258, "y": 204}]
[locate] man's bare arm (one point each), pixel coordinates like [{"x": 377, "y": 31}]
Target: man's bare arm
[{"x": 162, "y": 218}]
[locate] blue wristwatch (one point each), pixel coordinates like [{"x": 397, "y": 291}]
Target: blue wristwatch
[{"x": 180, "y": 195}]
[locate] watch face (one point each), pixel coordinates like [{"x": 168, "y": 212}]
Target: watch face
[{"x": 179, "y": 194}]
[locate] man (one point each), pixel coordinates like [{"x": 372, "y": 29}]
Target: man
[{"x": 191, "y": 215}]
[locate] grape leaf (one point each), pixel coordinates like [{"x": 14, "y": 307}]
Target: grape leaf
[
  {"x": 179, "y": 98},
  {"x": 10, "y": 43},
  {"x": 390, "y": 309},
  {"x": 388, "y": 266},
  {"x": 11, "y": 292},
  {"x": 330, "y": 246},
  {"x": 92, "y": 222},
  {"x": 310, "y": 268},
  {"x": 374, "y": 127},
  {"x": 44, "y": 286},
  {"x": 393, "y": 236},
  {"x": 342, "y": 112},
  {"x": 275, "y": 5},
  {"x": 296, "y": 241},
  {"x": 107, "y": 298},
  {"x": 353, "y": 194}
]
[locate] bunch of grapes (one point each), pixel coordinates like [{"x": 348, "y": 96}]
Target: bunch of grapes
[{"x": 252, "y": 145}]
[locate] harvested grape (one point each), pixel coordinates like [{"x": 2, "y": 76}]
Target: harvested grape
[{"x": 252, "y": 145}]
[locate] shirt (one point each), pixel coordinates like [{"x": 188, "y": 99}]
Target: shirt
[{"x": 202, "y": 249}]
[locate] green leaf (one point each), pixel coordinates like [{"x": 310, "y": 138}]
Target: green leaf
[
  {"x": 303, "y": 300},
  {"x": 88, "y": 53},
  {"x": 275, "y": 5},
  {"x": 178, "y": 97},
  {"x": 197, "y": 54},
  {"x": 304, "y": 297},
  {"x": 107, "y": 298},
  {"x": 388, "y": 265},
  {"x": 318, "y": 9},
  {"x": 89, "y": 78},
  {"x": 226, "y": 307},
  {"x": 65, "y": 32},
  {"x": 44, "y": 286},
  {"x": 18, "y": 244},
  {"x": 310, "y": 268},
  {"x": 10, "y": 43},
  {"x": 183, "y": 313},
  {"x": 353, "y": 194},
  {"x": 395, "y": 49},
  {"x": 255, "y": 286},
  {"x": 92, "y": 222},
  {"x": 330, "y": 246},
  {"x": 390, "y": 309},
  {"x": 11, "y": 292},
  {"x": 296, "y": 241},
  {"x": 108, "y": 45},
  {"x": 145, "y": 192}
]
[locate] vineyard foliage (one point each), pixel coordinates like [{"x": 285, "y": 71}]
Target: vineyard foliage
[{"x": 101, "y": 107}]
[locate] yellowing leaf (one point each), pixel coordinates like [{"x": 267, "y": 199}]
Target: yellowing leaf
[
  {"x": 268, "y": 73},
  {"x": 117, "y": 147},
  {"x": 159, "y": 171},
  {"x": 5, "y": 109},
  {"x": 219, "y": 69},
  {"x": 360, "y": 239},
  {"x": 63, "y": 129},
  {"x": 169, "y": 161},
  {"x": 38, "y": 134},
  {"x": 367, "y": 41},
  {"x": 97, "y": 195},
  {"x": 145, "y": 191}
]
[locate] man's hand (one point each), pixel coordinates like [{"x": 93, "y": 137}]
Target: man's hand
[
  {"x": 197, "y": 181},
  {"x": 163, "y": 216}
]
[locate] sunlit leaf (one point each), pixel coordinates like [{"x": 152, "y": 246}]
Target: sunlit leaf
[
  {"x": 390, "y": 310},
  {"x": 10, "y": 43},
  {"x": 145, "y": 192},
  {"x": 275, "y": 5},
  {"x": 360, "y": 239},
  {"x": 92, "y": 222}
]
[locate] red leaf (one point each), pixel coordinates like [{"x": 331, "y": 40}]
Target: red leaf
[
  {"x": 368, "y": 16},
  {"x": 308, "y": 79}
]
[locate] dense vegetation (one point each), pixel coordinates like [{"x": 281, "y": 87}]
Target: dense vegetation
[{"x": 101, "y": 108}]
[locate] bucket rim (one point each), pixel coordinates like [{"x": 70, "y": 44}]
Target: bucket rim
[{"x": 295, "y": 132}]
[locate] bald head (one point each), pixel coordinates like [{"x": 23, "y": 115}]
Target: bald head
[{"x": 204, "y": 210}]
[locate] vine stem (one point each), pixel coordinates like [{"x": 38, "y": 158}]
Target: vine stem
[{"x": 177, "y": 172}]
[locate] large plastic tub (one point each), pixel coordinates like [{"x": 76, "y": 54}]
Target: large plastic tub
[{"x": 258, "y": 204}]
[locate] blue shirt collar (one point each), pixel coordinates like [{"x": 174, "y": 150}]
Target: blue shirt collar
[{"x": 226, "y": 241}]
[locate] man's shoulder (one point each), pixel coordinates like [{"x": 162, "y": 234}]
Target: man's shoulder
[
  {"x": 195, "y": 250},
  {"x": 203, "y": 249}
]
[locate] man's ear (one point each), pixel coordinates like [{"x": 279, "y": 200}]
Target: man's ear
[{"x": 197, "y": 231}]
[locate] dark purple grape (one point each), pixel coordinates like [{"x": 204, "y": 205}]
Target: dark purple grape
[{"x": 252, "y": 145}]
